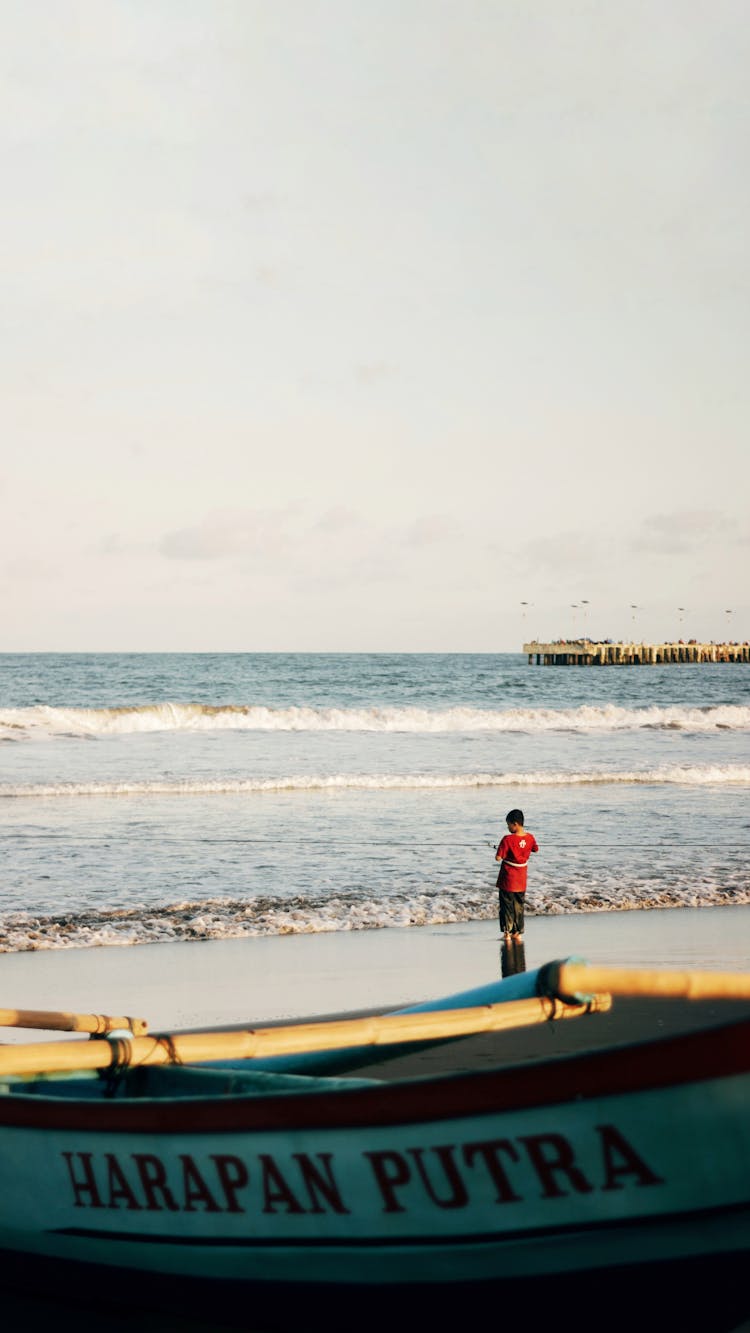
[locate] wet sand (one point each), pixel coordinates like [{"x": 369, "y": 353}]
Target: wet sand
[{"x": 213, "y": 982}]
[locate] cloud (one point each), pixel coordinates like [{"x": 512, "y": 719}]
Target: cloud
[
  {"x": 563, "y": 551},
  {"x": 268, "y": 275},
  {"x": 112, "y": 544},
  {"x": 338, "y": 519},
  {"x": 431, "y": 530},
  {"x": 683, "y": 530},
  {"x": 31, "y": 568},
  {"x": 260, "y": 201},
  {"x": 228, "y": 533},
  {"x": 225, "y": 534},
  {"x": 373, "y": 372}
]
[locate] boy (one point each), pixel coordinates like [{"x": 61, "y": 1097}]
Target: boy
[{"x": 514, "y": 852}]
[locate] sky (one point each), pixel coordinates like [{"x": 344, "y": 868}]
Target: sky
[{"x": 400, "y": 325}]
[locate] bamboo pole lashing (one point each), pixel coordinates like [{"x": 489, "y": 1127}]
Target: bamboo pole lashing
[
  {"x": 59, "y": 1021},
  {"x": 577, "y": 980},
  {"x": 201, "y": 1047}
]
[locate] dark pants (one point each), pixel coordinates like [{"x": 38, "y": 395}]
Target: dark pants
[{"x": 510, "y": 908}]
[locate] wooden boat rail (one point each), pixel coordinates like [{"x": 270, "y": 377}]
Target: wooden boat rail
[
  {"x": 120, "y": 1051},
  {"x": 60, "y": 1021},
  {"x": 569, "y": 990}
]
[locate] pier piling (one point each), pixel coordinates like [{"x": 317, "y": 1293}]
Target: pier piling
[{"x": 590, "y": 652}]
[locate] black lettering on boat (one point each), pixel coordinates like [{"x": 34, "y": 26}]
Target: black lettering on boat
[
  {"x": 390, "y": 1170},
  {"x": 489, "y": 1154},
  {"x": 195, "y": 1189},
  {"x": 319, "y": 1181},
  {"x": 86, "y": 1185},
  {"x": 118, "y": 1186},
  {"x": 153, "y": 1177},
  {"x": 233, "y": 1177},
  {"x": 276, "y": 1191},
  {"x": 457, "y": 1196},
  {"x": 551, "y": 1155},
  {"x": 620, "y": 1158}
]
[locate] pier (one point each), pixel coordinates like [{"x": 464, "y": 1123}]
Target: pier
[{"x": 588, "y": 652}]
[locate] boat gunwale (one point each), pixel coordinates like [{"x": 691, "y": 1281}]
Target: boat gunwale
[{"x": 639, "y": 1067}]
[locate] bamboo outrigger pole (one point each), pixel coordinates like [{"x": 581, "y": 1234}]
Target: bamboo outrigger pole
[
  {"x": 577, "y": 980},
  {"x": 57, "y": 1021},
  {"x": 201, "y": 1047}
]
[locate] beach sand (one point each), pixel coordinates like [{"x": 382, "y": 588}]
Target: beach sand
[
  {"x": 213, "y": 982},
  {"x": 247, "y": 981}
]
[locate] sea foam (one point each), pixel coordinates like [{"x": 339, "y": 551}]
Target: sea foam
[
  {"x": 694, "y": 775},
  {"x": 45, "y": 721},
  {"x": 214, "y": 918}
]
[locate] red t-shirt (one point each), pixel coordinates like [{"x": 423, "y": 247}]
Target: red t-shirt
[{"x": 514, "y": 851}]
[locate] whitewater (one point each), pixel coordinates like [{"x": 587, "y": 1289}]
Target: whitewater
[
  {"x": 20, "y": 723},
  {"x": 151, "y": 797}
]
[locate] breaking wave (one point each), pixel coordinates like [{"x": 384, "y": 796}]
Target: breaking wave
[
  {"x": 694, "y": 775},
  {"x": 46, "y": 721},
  {"x": 315, "y": 914}
]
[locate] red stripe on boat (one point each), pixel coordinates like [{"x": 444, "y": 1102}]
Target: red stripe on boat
[{"x": 690, "y": 1058}]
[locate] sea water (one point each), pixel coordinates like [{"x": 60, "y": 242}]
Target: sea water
[{"x": 150, "y": 797}]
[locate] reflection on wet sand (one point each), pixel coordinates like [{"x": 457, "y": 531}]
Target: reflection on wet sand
[{"x": 512, "y": 958}]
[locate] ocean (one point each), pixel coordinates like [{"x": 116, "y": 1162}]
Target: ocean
[{"x": 164, "y": 797}]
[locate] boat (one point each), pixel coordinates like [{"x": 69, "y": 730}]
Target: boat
[{"x": 187, "y": 1172}]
